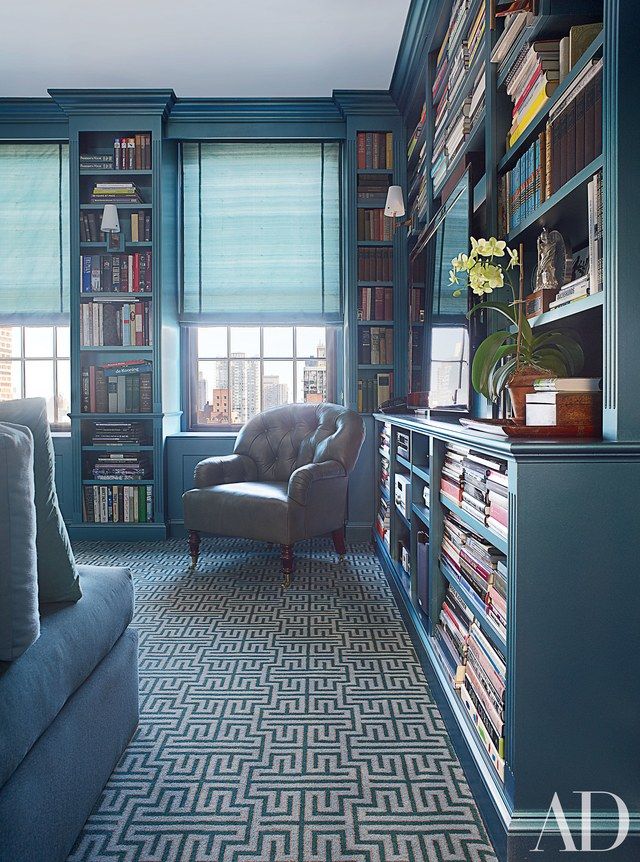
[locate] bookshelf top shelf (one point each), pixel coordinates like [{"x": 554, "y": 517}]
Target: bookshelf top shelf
[
  {"x": 370, "y": 243},
  {"x": 361, "y": 171},
  {"x": 588, "y": 303},
  {"x": 115, "y": 172},
  {"x": 125, "y": 296},
  {"x": 513, "y": 152},
  {"x": 121, "y": 206}
]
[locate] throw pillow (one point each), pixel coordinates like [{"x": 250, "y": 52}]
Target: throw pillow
[
  {"x": 19, "y": 620},
  {"x": 57, "y": 572}
]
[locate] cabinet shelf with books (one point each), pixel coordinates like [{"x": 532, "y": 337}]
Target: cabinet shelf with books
[{"x": 125, "y": 398}]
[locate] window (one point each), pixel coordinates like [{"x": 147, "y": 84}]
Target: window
[
  {"x": 261, "y": 233},
  {"x": 241, "y": 370},
  {"x": 34, "y": 362}
]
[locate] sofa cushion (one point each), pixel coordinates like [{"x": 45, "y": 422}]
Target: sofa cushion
[
  {"x": 19, "y": 620},
  {"x": 251, "y": 510},
  {"x": 74, "y": 638},
  {"x": 57, "y": 572}
]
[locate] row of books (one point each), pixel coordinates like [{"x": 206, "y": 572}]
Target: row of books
[
  {"x": 516, "y": 17},
  {"x": 477, "y": 672},
  {"x": 376, "y": 303},
  {"x": 90, "y": 227},
  {"x": 478, "y": 483},
  {"x": 115, "y": 193},
  {"x": 375, "y": 264},
  {"x": 110, "y": 323},
  {"x": 571, "y": 140},
  {"x": 374, "y": 226},
  {"x": 117, "y": 387},
  {"x": 383, "y": 515},
  {"x": 374, "y": 150},
  {"x": 373, "y": 186},
  {"x": 374, "y": 391},
  {"x": 416, "y": 304},
  {"x": 115, "y": 466},
  {"x": 131, "y": 153},
  {"x": 417, "y": 132},
  {"x": 375, "y": 345},
  {"x": 117, "y": 504},
  {"x": 116, "y": 273},
  {"x": 118, "y": 434}
]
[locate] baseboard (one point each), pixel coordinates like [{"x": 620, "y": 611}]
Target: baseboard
[{"x": 117, "y": 532}]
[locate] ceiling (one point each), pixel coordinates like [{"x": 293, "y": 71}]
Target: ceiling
[{"x": 201, "y": 48}]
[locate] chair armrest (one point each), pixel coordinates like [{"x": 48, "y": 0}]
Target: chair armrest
[
  {"x": 223, "y": 469},
  {"x": 303, "y": 478}
]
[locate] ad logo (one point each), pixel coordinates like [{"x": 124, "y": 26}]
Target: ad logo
[{"x": 556, "y": 811}]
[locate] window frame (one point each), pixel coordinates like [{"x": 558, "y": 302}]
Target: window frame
[
  {"x": 56, "y": 425},
  {"x": 190, "y": 340}
]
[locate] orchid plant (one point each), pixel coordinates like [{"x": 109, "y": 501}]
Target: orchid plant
[{"x": 502, "y": 355}]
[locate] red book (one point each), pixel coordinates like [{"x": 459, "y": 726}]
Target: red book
[
  {"x": 529, "y": 86},
  {"x": 378, "y": 308},
  {"x": 148, "y": 271},
  {"x": 451, "y": 490},
  {"x": 499, "y": 514},
  {"x": 362, "y": 151},
  {"x": 135, "y": 287},
  {"x": 388, "y": 303}
]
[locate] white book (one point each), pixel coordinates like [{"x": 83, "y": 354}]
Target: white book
[{"x": 568, "y": 384}]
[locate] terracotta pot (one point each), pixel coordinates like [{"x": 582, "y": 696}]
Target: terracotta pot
[{"x": 520, "y": 384}]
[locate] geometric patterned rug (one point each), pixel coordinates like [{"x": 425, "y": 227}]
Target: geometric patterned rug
[{"x": 277, "y": 727}]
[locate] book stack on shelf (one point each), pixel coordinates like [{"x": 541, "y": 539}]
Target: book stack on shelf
[
  {"x": 383, "y": 516},
  {"x": 117, "y": 504},
  {"x": 464, "y": 481},
  {"x": 117, "y": 387},
  {"x": 116, "y": 193},
  {"x": 517, "y": 17},
  {"x": 132, "y": 153},
  {"x": 416, "y": 155},
  {"x": 373, "y": 226},
  {"x": 118, "y": 434},
  {"x": 115, "y": 324},
  {"x": 375, "y": 345},
  {"x": 96, "y": 161},
  {"x": 116, "y": 273},
  {"x": 375, "y": 303},
  {"x": 373, "y": 187},
  {"x": 374, "y": 264},
  {"x": 531, "y": 82},
  {"x": 115, "y": 466},
  {"x": 571, "y": 140},
  {"x": 374, "y": 151}
]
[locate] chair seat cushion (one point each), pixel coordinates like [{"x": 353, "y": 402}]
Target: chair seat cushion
[
  {"x": 74, "y": 638},
  {"x": 251, "y": 510}
]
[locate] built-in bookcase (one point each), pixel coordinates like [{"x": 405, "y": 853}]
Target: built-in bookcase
[{"x": 125, "y": 396}]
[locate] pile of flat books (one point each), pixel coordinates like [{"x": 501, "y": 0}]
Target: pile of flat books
[
  {"x": 479, "y": 570},
  {"x": 477, "y": 672},
  {"x": 517, "y": 16},
  {"x": 566, "y": 402},
  {"x": 96, "y": 161},
  {"x": 468, "y": 478},
  {"x": 531, "y": 82},
  {"x": 118, "y": 434},
  {"x": 373, "y": 186},
  {"x": 118, "y": 465},
  {"x": 114, "y": 193}
]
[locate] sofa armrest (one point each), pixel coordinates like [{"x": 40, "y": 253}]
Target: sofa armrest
[
  {"x": 303, "y": 478},
  {"x": 224, "y": 469}
]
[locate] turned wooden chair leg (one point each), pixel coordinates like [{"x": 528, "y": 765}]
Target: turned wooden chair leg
[
  {"x": 287, "y": 565},
  {"x": 194, "y": 547},
  {"x": 339, "y": 542}
]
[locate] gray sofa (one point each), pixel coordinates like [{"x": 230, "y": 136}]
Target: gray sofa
[
  {"x": 286, "y": 481},
  {"x": 68, "y": 707}
]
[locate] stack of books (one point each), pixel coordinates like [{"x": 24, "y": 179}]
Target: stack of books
[
  {"x": 117, "y": 387},
  {"x": 96, "y": 161},
  {"x": 374, "y": 150},
  {"x": 374, "y": 264},
  {"x": 116, "y": 193},
  {"x": 119, "y": 465},
  {"x": 464, "y": 481},
  {"x": 117, "y": 273},
  {"x": 373, "y": 226},
  {"x": 531, "y": 82},
  {"x": 374, "y": 391},
  {"x": 523, "y": 188},
  {"x": 118, "y": 434},
  {"x": 417, "y": 132},
  {"x": 375, "y": 345},
  {"x": 571, "y": 403},
  {"x": 132, "y": 153},
  {"x": 376, "y": 303},
  {"x": 476, "y": 670},
  {"x": 117, "y": 504},
  {"x": 517, "y": 16},
  {"x": 596, "y": 233},
  {"x": 373, "y": 187},
  {"x": 108, "y": 323}
]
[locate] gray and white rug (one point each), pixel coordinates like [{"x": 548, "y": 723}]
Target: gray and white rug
[{"x": 277, "y": 727}]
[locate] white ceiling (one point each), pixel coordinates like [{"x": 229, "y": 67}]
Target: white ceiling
[{"x": 212, "y": 48}]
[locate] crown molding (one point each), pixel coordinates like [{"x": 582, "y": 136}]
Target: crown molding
[
  {"x": 116, "y": 101},
  {"x": 412, "y": 49},
  {"x": 14, "y": 110},
  {"x": 365, "y": 102}
]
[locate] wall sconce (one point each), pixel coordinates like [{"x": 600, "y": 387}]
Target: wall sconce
[
  {"x": 394, "y": 207},
  {"x": 110, "y": 225}
]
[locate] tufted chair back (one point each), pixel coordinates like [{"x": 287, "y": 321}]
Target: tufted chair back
[{"x": 284, "y": 438}]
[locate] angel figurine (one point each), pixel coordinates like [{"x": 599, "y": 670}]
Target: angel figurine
[{"x": 546, "y": 276}]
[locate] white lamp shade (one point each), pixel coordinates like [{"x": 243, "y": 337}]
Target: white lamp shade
[
  {"x": 110, "y": 221},
  {"x": 395, "y": 202}
]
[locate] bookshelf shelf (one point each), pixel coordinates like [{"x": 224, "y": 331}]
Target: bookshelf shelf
[
  {"x": 121, "y": 206},
  {"x": 565, "y": 195},
  {"x": 371, "y": 243},
  {"x": 588, "y": 303},
  {"x": 375, "y": 323},
  {"x": 403, "y": 461},
  {"x": 102, "y": 245},
  {"x": 361, "y": 171},
  {"x": 513, "y": 152},
  {"x": 423, "y": 474},
  {"x": 375, "y": 284},
  {"x": 117, "y": 482},
  {"x": 113, "y": 172},
  {"x": 118, "y": 348},
  {"x": 375, "y": 367},
  {"x": 127, "y": 296},
  {"x": 116, "y": 417},
  {"x": 403, "y": 518},
  {"x": 371, "y": 204},
  {"x": 476, "y": 137},
  {"x": 421, "y": 512},
  {"x": 118, "y": 447}
]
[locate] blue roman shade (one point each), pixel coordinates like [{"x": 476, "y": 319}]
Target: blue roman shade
[
  {"x": 261, "y": 232},
  {"x": 34, "y": 233}
]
